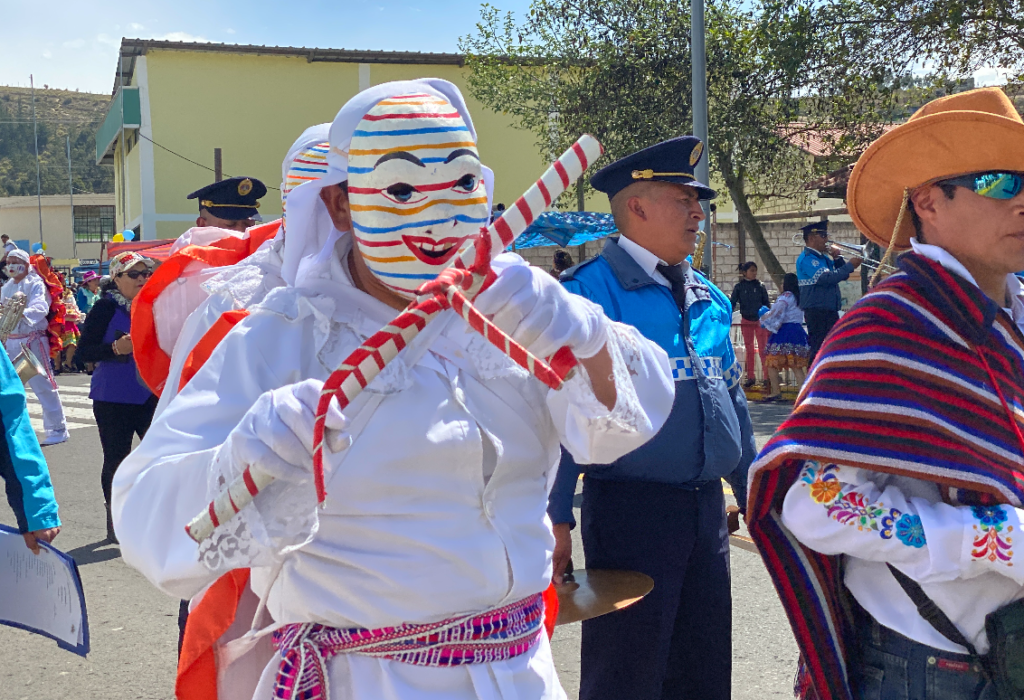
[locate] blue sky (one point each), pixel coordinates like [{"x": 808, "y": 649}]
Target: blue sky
[{"x": 73, "y": 44}]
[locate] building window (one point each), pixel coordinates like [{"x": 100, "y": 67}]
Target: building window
[{"x": 94, "y": 223}]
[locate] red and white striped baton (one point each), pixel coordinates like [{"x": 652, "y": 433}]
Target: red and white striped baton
[{"x": 469, "y": 274}]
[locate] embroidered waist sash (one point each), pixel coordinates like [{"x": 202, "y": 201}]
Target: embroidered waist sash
[{"x": 496, "y": 635}]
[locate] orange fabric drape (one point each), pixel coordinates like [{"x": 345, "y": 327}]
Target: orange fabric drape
[
  {"x": 153, "y": 363},
  {"x": 208, "y": 343},
  {"x": 550, "y": 609},
  {"x": 197, "y": 665},
  {"x": 55, "y": 317}
]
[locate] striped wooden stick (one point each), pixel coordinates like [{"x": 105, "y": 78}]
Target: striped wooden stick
[{"x": 468, "y": 275}]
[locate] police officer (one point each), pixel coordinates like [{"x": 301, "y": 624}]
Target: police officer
[
  {"x": 232, "y": 204},
  {"x": 660, "y": 509},
  {"x": 819, "y": 278}
]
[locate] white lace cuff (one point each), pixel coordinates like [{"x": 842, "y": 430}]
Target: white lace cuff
[
  {"x": 281, "y": 519},
  {"x": 627, "y": 417}
]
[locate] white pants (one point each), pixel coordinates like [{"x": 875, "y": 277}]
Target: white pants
[{"x": 43, "y": 384}]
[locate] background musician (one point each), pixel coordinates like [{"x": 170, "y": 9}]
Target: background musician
[{"x": 819, "y": 278}]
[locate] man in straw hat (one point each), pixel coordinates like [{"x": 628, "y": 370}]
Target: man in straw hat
[
  {"x": 896, "y": 485},
  {"x": 421, "y": 577}
]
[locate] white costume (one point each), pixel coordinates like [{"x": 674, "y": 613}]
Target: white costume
[
  {"x": 31, "y": 332},
  {"x": 436, "y": 507}
]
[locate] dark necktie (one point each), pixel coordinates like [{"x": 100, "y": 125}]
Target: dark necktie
[{"x": 677, "y": 278}]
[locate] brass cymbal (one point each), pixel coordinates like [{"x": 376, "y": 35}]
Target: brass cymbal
[{"x": 598, "y": 592}]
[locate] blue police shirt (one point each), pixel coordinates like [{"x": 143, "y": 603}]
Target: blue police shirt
[
  {"x": 708, "y": 434},
  {"x": 819, "y": 280}
]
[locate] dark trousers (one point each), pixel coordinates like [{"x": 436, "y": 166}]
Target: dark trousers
[
  {"x": 677, "y": 642},
  {"x": 819, "y": 323},
  {"x": 118, "y": 424}
]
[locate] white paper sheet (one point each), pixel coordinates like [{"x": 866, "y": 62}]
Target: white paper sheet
[{"x": 42, "y": 593}]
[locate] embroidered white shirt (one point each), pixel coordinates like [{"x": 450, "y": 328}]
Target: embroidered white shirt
[{"x": 965, "y": 558}]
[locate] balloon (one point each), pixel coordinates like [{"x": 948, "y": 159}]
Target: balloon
[
  {"x": 129, "y": 235},
  {"x": 118, "y": 238},
  {"x": 43, "y": 246},
  {"x": 37, "y": 247}
]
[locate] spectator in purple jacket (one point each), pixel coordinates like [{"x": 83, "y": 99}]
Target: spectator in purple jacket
[{"x": 122, "y": 404}]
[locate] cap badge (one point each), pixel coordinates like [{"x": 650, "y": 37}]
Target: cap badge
[
  {"x": 695, "y": 153},
  {"x": 245, "y": 187}
]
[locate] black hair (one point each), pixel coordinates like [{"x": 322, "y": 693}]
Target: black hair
[
  {"x": 948, "y": 190},
  {"x": 744, "y": 266},
  {"x": 563, "y": 260},
  {"x": 790, "y": 283}
]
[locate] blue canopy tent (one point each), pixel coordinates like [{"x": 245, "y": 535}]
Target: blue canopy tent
[{"x": 566, "y": 229}]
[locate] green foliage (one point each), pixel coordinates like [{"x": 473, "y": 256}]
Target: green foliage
[
  {"x": 61, "y": 119},
  {"x": 776, "y": 69}
]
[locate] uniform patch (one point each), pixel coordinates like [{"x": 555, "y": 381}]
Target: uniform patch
[{"x": 695, "y": 153}]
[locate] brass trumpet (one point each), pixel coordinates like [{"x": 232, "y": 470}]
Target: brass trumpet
[{"x": 859, "y": 251}]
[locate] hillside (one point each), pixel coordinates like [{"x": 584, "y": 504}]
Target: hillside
[{"x": 60, "y": 113}]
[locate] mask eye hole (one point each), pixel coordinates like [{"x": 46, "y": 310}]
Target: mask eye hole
[
  {"x": 401, "y": 192},
  {"x": 467, "y": 183}
]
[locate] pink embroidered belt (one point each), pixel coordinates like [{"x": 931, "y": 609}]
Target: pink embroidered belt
[{"x": 495, "y": 635}]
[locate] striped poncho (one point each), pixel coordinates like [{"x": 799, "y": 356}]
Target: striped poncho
[{"x": 924, "y": 378}]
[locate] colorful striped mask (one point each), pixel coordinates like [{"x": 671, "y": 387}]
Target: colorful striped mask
[{"x": 415, "y": 189}]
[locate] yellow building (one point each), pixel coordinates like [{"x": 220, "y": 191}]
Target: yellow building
[
  {"x": 180, "y": 101},
  {"x": 65, "y": 237}
]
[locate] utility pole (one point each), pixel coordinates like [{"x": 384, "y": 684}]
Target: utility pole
[
  {"x": 71, "y": 193},
  {"x": 35, "y": 131},
  {"x": 218, "y": 168},
  {"x": 698, "y": 61}
]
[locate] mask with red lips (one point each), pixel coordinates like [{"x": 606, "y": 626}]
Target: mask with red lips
[{"x": 415, "y": 189}]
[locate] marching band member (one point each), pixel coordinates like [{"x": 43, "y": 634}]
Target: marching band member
[
  {"x": 819, "y": 277},
  {"x": 434, "y": 525},
  {"x": 887, "y": 507},
  {"x": 31, "y": 332}
]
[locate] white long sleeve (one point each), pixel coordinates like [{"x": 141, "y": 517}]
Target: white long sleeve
[{"x": 963, "y": 556}]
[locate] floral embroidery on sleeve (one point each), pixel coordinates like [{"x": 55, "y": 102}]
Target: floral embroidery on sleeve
[
  {"x": 990, "y": 540},
  {"x": 853, "y": 509}
]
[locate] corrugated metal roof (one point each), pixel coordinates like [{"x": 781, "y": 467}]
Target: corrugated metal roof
[
  {"x": 132, "y": 48},
  {"x": 819, "y": 143}
]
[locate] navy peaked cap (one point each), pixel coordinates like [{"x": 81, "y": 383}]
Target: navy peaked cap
[
  {"x": 234, "y": 199},
  {"x": 668, "y": 161},
  {"x": 817, "y": 227}
]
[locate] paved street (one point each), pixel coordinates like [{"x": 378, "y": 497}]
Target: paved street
[{"x": 134, "y": 627}]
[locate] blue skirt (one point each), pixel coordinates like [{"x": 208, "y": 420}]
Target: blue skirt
[{"x": 788, "y": 347}]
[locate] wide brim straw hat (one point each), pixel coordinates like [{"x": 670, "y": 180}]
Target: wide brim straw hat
[{"x": 974, "y": 131}]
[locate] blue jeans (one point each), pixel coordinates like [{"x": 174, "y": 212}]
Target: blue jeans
[{"x": 893, "y": 667}]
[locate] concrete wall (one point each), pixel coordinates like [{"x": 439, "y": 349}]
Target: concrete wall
[
  {"x": 19, "y": 219},
  {"x": 779, "y": 235}
]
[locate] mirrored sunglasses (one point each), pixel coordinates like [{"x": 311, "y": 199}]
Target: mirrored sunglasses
[
  {"x": 995, "y": 185},
  {"x": 136, "y": 274}
]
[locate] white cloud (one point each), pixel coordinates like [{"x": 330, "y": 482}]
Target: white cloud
[
  {"x": 47, "y": 54},
  {"x": 182, "y": 36},
  {"x": 990, "y": 75},
  {"x": 230, "y": 30},
  {"x": 107, "y": 40},
  {"x": 75, "y": 44},
  {"x": 135, "y": 26}
]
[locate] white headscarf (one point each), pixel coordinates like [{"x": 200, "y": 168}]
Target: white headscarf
[{"x": 310, "y": 233}]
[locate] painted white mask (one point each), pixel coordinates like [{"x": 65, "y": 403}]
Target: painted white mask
[
  {"x": 415, "y": 189},
  {"x": 16, "y": 269}
]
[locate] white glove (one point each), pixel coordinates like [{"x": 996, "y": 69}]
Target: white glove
[
  {"x": 532, "y": 307},
  {"x": 275, "y": 436}
]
